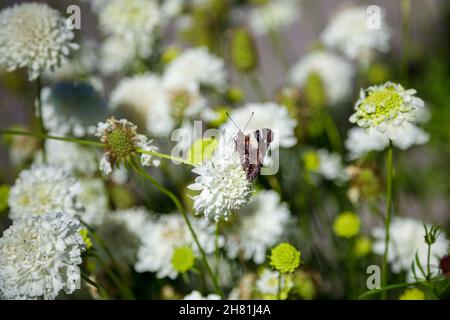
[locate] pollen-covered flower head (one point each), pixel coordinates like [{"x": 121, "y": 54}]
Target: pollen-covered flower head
[
  {"x": 122, "y": 142},
  {"x": 221, "y": 182},
  {"x": 387, "y": 108},
  {"x": 39, "y": 257},
  {"x": 34, "y": 36},
  {"x": 42, "y": 189}
]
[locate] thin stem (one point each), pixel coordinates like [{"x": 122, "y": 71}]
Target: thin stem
[
  {"x": 388, "y": 217},
  {"x": 257, "y": 86},
  {"x": 391, "y": 287},
  {"x": 40, "y": 117},
  {"x": 428, "y": 262},
  {"x": 165, "y": 156},
  {"x": 100, "y": 289},
  {"x": 46, "y": 136},
  {"x": 186, "y": 219},
  {"x": 279, "y": 286},
  {"x": 217, "y": 251},
  {"x": 406, "y": 37},
  {"x": 332, "y": 131}
]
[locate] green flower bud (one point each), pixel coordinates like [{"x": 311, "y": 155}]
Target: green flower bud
[
  {"x": 244, "y": 53},
  {"x": 285, "y": 258},
  {"x": 347, "y": 225},
  {"x": 183, "y": 259},
  {"x": 412, "y": 294},
  {"x": 315, "y": 91}
]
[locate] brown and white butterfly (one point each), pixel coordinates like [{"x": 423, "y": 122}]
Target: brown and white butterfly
[{"x": 252, "y": 148}]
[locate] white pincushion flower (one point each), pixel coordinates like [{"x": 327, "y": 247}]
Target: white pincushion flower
[
  {"x": 113, "y": 56},
  {"x": 349, "y": 32},
  {"x": 34, "y": 36},
  {"x": 221, "y": 182},
  {"x": 197, "y": 67},
  {"x": 387, "y": 108},
  {"x": 163, "y": 235},
  {"x": 72, "y": 157},
  {"x": 195, "y": 295},
  {"x": 407, "y": 239},
  {"x": 122, "y": 142},
  {"x": 43, "y": 189},
  {"x": 330, "y": 166},
  {"x": 265, "y": 115},
  {"x": 274, "y": 16},
  {"x": 94, "y": 199},
  {"x": 258, "y": 227},
  {"x": 335, "y": 73},
  {"x": 134, "y": 20},
  {"x": 267, "y": 283},
  {"x": 39, "y": 257},
  {"x": 360, "y": 141}
]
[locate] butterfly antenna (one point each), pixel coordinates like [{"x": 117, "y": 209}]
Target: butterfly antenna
[
  {"x": 232, "y": 121},
  {"x": 248, "y": 122}
]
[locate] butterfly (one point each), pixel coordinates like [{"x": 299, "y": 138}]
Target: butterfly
[{"x": 252, "y": 148}]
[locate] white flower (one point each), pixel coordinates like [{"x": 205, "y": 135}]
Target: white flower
[
  {"x": 113, "y": 57},
  {"x": 72, "y": 108},
  {"x": 196, "y": 67},
  {"x": 34, "y": 36},
  {"x": 407, "y": 239},
  {"x": 144, "y": 96},
  {"x": 94, "y": 200},
  {"x": 274, "y": 16},
  {"x": 330, "y": 166},
  {"x": 335, "y": 73},
  {"x": 267, "y": 282},
  {"x": 123, "y": 230},
  {"x": 134, "y": 20},
  {"x": 360, "y": 141},
  {"x": 195, "y": 295},
  {"x": 265, "y": 115},
  {"x": 387, "y": 108},
  {"x": 222, "y": 182},
  {"x": 122, "y": 141},
  {"x": 43, "y": 189},
  {"x": 163, "y": 235},
  {"x": 348, "y": 31},
  {"x": 71, "y": 157},
  {"x": 39, "y": 257},
  {"x": 258, "y": 226}
]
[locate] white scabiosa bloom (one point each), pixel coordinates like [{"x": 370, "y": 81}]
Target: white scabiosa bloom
[
  {"x": 72, "y": 108},
  {"x": 274, "y": 16},
  {"x": 197, "y": 67},
  {"x": 93, "y": 198},
  {"x": 265, "y": 115},
  {"x": 350, "y": 32},
  {"x": 113, "y": 57},
  {"x": 39, "y": 257},
  {"x": 335, "y": 73},
  {"x": 221, "y": 182},
  {"x": 359, "y": 141},
  {"x": 259, "y": 226},
  {"x": 122, "y": 142},
  {"x": 162, "y": 236},
  {"x": 34, "y": 36},
  {"x": 195, "y": 295},
  {"x": 387, "y": 108},
  {"x": 43, "y": 189},
  {"x": 267, "y": 283},
  {"x": 330, "y": 166},
  {"x": 407, "y": 239},
  {"x": 135, "y": 21},
  {"x": 72, "y": 157}
]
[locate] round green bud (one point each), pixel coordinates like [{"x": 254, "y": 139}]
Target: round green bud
[
  {"x": 244, "y": 53},
  {"x": 347, "y": 225},
  {"x": 315, "y": 91},
  {"x": 285, "y": 258},
  {"x": 183, "y": 259},
  {"x": 362, "y": 247},
  {"x": 311, "y": 160},
  {"x": 412, "y": 294}
]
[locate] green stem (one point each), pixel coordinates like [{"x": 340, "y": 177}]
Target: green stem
[
  {"x": 332, "y": 131},
  {"x": 165, "y": 156},
  {"x": 186, "y": 219},
  {"x": 406, "y": 36},
  {"x": 217, "y": 251},
  {"x": 257, "y": 86},
  {"x": 100, "y": 289},
  {"x": 279, "y": 286},
  {"x": 40, "y": 117},
  {"x": 46, "y": 136},
  {"x": 387, "y": 288},
  {"x": 388, "y": 217},
  {"x": 428, "y": 262}
]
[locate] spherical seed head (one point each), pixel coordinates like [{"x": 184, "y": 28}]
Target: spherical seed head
[
  {"x": 285, "y": 258},
  {"x": 121, "y": 142},
  {"x": 412, "y": 294},
  {"x": 183, "y": 259},
  {"x": 347, "y": 225},
  {"x": 244, "y": 51}
]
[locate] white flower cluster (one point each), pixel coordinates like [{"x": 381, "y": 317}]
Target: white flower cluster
[
  {"x": 34, "y": 36},
  {"x": 349, "y": 32},
  {"x": 407, "y": 239},
  {"x": 335, "y": 73},
  {"x": 195, "y": 295},
  {"x": 259, "y": 226},
  {"x": 42, "y": 189},
  {"x": 221, "y": 182},
  {"x": 39, "y": 257}
]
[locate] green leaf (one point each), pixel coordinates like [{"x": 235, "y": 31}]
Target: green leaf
[{"x": 201, "y": 150}]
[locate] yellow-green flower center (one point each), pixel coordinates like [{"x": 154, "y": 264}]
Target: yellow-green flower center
[
  {"x": 381, "y": 105},
  {"x": 183, "y": 259},
  {"x": 120, "y": 143},
  {"x": 347, "y": 225},
  {"x": 285, "y": 258}
]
